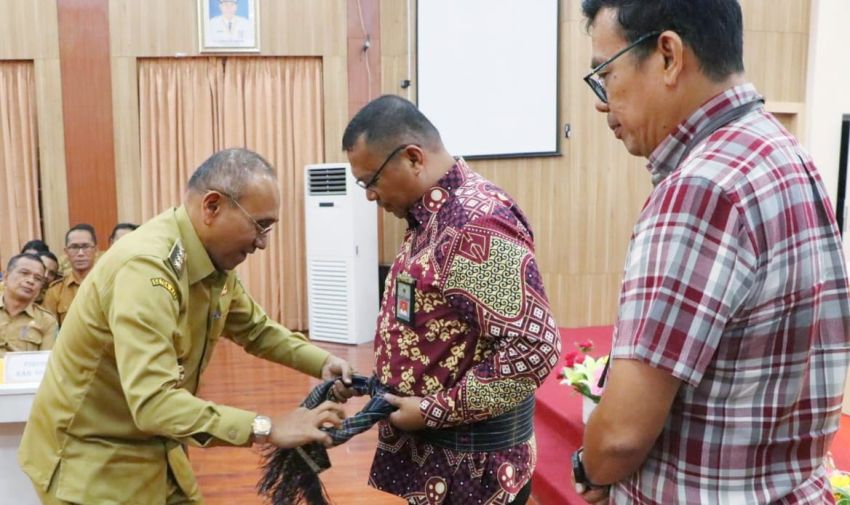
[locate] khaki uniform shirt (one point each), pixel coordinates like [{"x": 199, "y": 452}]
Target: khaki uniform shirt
[
  {"x": 118, "y": 398},
  {"x": 33, "y": 329},
  {"x": 60, "y": 294}
]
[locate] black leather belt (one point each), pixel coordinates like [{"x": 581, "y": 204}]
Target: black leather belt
[{"x": 501, "y": 432}]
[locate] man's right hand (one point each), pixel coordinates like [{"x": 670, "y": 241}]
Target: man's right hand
[{"x": 301, "y": 426}]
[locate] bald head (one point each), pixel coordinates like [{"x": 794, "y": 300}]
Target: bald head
[{"x": 230, "y": 171}]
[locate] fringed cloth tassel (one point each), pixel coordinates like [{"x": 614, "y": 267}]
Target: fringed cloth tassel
[{"x": 291, "y": 476}]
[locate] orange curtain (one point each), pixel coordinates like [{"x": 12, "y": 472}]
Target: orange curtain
[
  {"x": 20, "y": 218},
  {"x": 190, "y": 108},
  {"x": 179, "y": 125},
  {"x": 274, "y": 106}
]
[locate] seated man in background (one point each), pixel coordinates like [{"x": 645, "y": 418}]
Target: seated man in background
[
  {"x": 80, "y": 247},
  {"x": 120, "y": 230},
  {"x": 24, "y": 325},
  {"x": 51, "y": 272},
  {"x": 35, "y": 246},
  {"x": 118, "y": 403}
]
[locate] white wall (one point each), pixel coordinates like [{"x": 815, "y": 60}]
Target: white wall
[{"x": 828, "y": 97}]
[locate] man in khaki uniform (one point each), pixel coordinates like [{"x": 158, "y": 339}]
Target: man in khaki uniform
[
  {"x": 117, "y": 404},
  {"x": 24, "y": 326},
  {"x": 80, "y": 247}
]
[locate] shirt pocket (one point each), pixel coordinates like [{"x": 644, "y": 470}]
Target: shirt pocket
[{"x": 31, "y": 338}]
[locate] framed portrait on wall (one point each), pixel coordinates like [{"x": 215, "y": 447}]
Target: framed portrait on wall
[{"x": 228, "y": 26}]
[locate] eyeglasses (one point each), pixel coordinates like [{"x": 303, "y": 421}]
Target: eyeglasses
[
  {"x": 374, "y": 179},
  {"x": 597, "y": 83},
  {"x": 261, "y": 230},
  {"x": 75, "y": 248}
]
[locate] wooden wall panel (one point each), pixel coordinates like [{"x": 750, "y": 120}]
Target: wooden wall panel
[
  {"x": 583, "y": 204},
  {"x": 87, "y": 110},
  {"x": 28, "y": 31}
]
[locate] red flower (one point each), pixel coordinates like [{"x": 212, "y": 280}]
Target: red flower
[
  {"x": 573, "y": 357},
  {"x": 585, "y": 346}
]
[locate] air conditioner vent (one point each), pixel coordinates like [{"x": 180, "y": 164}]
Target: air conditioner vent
[{"x": 327, "y": 181}]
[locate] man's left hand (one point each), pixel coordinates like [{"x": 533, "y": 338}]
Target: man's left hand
[
  {"x": 338, "y": 368},
  {"x": 407, "y": 417}
]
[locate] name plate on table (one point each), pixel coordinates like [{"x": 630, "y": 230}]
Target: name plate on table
[{"x": 21, "y": 367}]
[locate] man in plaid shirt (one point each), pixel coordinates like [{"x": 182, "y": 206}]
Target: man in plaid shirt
[{"x": 731, "y": 346}]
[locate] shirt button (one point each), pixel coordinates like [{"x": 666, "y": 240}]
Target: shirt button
[{"x": 232, "y": 434}]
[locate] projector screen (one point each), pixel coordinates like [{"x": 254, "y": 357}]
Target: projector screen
[{"x": 487, "y": 75}]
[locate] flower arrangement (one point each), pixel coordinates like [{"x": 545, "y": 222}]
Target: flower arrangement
[
  {"x": 582, "y": 371},
  {"x": 840, "y": 482}
]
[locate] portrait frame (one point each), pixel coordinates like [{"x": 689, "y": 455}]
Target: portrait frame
[{"x": 228, "y": 26}]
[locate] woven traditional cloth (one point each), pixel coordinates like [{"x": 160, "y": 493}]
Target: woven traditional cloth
[{"x": 291, "y": 475}]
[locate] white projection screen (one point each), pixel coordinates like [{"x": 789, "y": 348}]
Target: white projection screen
[{"x": 487, "y": 74}]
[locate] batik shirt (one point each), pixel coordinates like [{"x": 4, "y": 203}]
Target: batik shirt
[
  {"x": 735, "y": 284},
  {"x": 481, "y": 341}
]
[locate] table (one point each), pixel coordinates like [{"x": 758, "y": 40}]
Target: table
[{"x": 15, "y": 404}]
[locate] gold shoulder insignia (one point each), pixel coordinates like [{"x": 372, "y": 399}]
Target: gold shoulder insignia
[
  {"x": 177, "y": 257},
  {"x": 159, "y": 281}
]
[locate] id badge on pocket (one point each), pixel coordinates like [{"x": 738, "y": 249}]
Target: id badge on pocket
[{"x": 405, "y": 299}]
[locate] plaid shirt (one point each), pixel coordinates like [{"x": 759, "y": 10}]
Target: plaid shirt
[{"x": 735, "y": 284}]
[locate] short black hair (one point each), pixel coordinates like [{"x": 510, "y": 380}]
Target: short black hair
[
  {"x": 713, "y": 29},
  {"x": 389, "y": 121},
  {"x": 37, "y": 245},
  {"x": 122, "y": 226},
  {"x": 13, "y": 261},
  {"x": 82, "y": 227},
  {"x": 228, "y": 171},
  {"x": 48, "y": 254}
]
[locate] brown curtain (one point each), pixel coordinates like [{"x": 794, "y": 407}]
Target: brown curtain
[
  {"x": 20, "y": 218},
  {"x": 270, "y": 105},
  {"x": 179, "y": 125}
]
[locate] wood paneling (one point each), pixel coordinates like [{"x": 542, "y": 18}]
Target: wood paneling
[
  {"x": 87, "y": 111},
  {"x": 28, "y": 31},
  {"x": 583, "y": 204}
]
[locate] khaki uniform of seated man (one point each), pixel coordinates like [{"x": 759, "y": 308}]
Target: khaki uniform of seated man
[
  {"x": 80, "y": 249},
  {"x": 117, "y": 405},
  {"x": 24, "y": 326}
]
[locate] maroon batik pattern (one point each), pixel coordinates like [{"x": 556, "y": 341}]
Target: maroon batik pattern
[{"x": 482, "y": 340}]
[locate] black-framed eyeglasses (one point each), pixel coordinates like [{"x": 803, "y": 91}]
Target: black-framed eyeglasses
[
  {"x": 261, "y": 230},
  {"x": 75, "y": 248},
  {"x": 374, "y": 179},
  {"x": 596, "y": 83}
]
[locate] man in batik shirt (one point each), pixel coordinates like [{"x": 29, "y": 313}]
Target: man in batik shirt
[
  {"x": 465, "y": 334},
  {"x": 731, "y": 345}
]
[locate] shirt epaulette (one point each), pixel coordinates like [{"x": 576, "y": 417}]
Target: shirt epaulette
[{"x": 177, "y": 257}]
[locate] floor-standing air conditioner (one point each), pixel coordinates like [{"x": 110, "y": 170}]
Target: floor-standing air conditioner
[{"x": 342, "y": 256}]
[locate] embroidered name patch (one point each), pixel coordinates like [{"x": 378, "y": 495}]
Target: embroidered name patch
[{"x": 159, "y": 281}]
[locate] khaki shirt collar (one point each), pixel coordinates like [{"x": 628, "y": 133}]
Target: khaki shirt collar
[
  {"x": 198, "y": 263},
  {"x": 29, "y": 309},
  {"x": 72, "y": 279}
]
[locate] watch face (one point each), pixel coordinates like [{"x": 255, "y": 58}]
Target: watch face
[{"x": 262, "y": 425}]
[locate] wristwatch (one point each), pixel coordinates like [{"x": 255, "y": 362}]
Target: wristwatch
[
  {"x": 261, "y": 428},
  {"x": 578, "y": 471}
]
